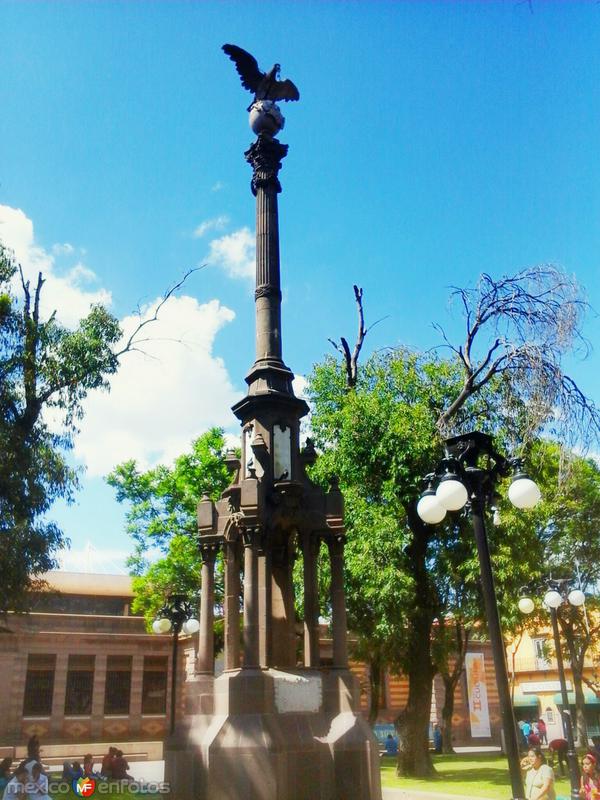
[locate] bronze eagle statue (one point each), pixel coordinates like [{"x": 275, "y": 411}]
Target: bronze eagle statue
[{"x": 265, "y": 85}]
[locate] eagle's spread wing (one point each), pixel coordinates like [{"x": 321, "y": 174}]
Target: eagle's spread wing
[
  {"x": 284, "y": 90},
  {"x": 246, "y": 66}
]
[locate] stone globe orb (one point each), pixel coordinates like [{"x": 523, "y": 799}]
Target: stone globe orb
[{"x": 265, "y": 117}]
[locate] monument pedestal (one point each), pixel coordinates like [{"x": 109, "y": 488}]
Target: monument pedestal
[{"x": 276, "y": 736}]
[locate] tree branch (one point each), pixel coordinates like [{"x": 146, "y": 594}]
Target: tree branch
[{"x": 133, "y": 340}]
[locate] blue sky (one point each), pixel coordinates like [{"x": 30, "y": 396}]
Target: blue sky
[{"x": 432, "y": 141}]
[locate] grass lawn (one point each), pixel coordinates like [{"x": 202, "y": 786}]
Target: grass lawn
[
  {"x": 103, "y": 791},
  {"x": 469, "y": 774}
]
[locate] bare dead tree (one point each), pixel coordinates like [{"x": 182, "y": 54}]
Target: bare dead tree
[
  {"x": 520, "y": 327},
  {"x": 351, "y": 358}
]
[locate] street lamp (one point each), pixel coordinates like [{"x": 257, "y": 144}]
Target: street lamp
[
  {"x": 176, "y": 616},
  {"x": 557, "y": 593},
  {"x": 459, "y": 480}
]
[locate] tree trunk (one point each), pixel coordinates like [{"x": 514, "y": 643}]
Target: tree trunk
[
  {"x": 577, "y": 659},
  {"x": 580, "y": 723},
  {"x": 414, "y": 757},
  {"x": 376, "y": 678},
  {"x": 448, "y": 712},
  {"x": 412, "y": 724}
]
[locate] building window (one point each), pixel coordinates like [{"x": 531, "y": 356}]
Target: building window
[
  {"x": 39, "y": 685},
  {"x": 80, "y": 686},
  {"x": 154, "y": 686},
  {"x": 118, "y": 685},
  {"x": 540, "y": 648}
]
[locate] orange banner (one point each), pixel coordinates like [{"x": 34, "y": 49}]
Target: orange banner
[{"x": 479, "y": 713}]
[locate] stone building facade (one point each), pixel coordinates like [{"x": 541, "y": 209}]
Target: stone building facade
[
  {"x": 395, "y": 695},
  {"x": 81, "y": 668}
]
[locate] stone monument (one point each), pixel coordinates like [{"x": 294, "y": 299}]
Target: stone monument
[{"x": 275, "y": 725}]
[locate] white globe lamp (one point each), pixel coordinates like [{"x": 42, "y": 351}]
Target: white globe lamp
[
  {"x": 164, "y": 625},
  {"x": 523, "y": 492},
  {"x": 430, "y": 509},
  {"x": 526, "y": 605},
  {"x": 576, "y": 597},
  {"x": 191, "y": 626},
  {"x": 552, "y": 599},
  {"x": 452, "y": 493}
]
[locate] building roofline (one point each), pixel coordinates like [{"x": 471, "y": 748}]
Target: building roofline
[{"x": 89, "y": 583}]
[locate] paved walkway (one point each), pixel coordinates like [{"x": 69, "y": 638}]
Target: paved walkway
[
  {"x": 418, "y": 794},
  {"x": 153, "y": 771}
]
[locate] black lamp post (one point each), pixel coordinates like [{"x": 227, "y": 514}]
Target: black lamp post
[
  {"x": 557, "y": 593},
  {"x": 460, "y": 480},
  {"x": 176, "y": 616}
]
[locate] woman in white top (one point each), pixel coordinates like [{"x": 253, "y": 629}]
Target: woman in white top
[{"x": 539, "y": 779}]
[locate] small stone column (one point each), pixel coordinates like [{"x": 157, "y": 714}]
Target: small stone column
[
  {"x": 264, "y": 607},
  {"x": 232, "y": 605},
  {"x": 310, "y": 551},
  {"x": 59, "y": 695},
  {"x": 206, "y": 648},
  {"x": 338, "y": 602},
  {"x": 135, "y": 698},
  {"x": 251, "y": 639},
  {"x": 98, "y": 697}
]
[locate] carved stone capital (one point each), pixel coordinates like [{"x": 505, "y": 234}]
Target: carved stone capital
[
  {"x": 208, "y": 552},
  {"x": 251, "y": 537},
  {"x": 264, "y": 156}
]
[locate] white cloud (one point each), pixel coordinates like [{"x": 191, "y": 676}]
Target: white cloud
[
  {"x": 63, "y": 249},
  {"x": 61, "y": 293},
  {"x": 214, "y": 224},
  {"x": 159, "y": 401},
  {"x": 216, "y": 187},
  {"x": 235, "y": 253}
]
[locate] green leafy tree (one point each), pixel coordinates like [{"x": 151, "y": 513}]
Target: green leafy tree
[
  {"x": 571, "y": 521},
  {"x": 381, "y": 427},
  {"x": 46, "y": 372},
  {"x": 45, "y": 368},
  {"x": 162, "y": 516}
]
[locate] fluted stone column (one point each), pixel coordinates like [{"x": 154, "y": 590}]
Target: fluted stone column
[
  {"x": 310, "y": 551},
  {"x": 338, "y": 603},
  {"x": 251, "y": 641},
  {"x": 206, "y": 648},
  {"x": 232, "y": 605},
  {"x": 265, "y": 157}
]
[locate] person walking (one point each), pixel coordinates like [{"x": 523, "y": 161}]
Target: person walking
[{"x": 542, "y": 731}]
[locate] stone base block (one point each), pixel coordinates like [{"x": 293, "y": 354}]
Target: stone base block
[{"x": 324, "y": 751}]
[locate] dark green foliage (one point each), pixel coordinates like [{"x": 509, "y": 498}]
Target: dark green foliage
[
  {"x": 162, "y": 515},
  {"x": 46, "y": 371}
]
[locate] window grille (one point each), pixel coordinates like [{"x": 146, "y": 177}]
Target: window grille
[
  {"x": 80, "y": 686},
  {"x": 154, "y": 685},
  {"x": 118, "y": 685},
  {"x": 39, "y": 685}
]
